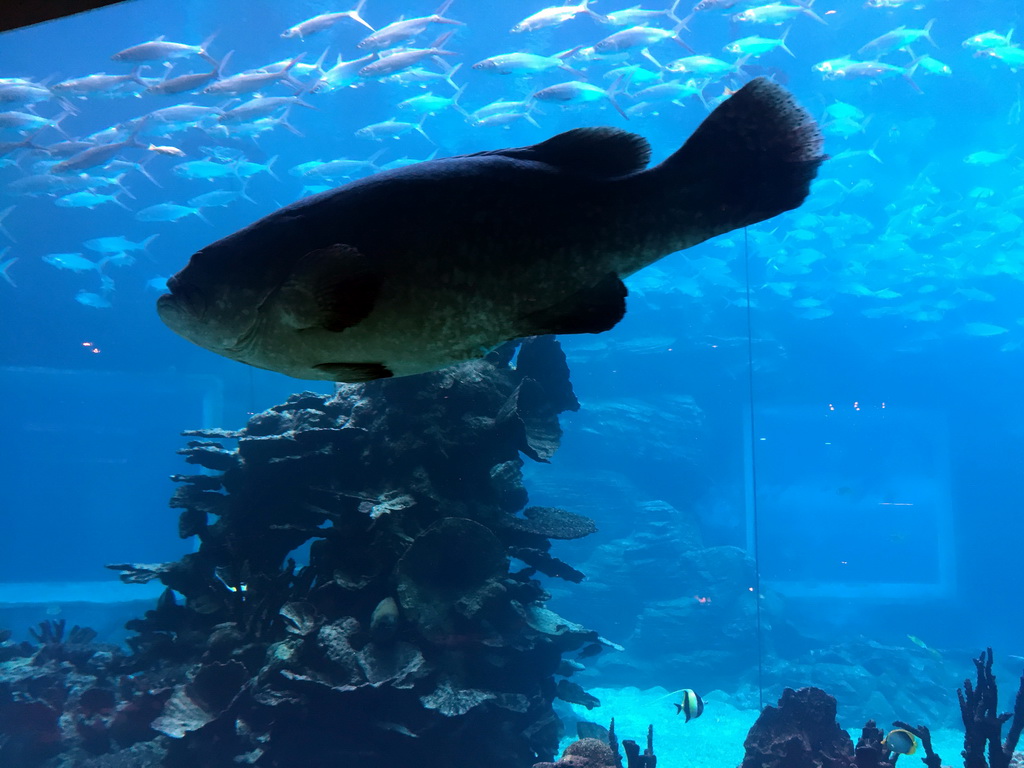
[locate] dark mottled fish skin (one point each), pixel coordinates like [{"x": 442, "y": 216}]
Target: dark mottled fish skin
[{"x": 414, "y": 269}]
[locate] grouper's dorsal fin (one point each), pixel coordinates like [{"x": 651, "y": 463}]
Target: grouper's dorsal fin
[
  {"x": 591, "y": 151},
  {"x": 596, "y": 151}
]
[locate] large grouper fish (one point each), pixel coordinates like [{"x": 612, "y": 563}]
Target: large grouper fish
[{"x": 417, "y": 268}]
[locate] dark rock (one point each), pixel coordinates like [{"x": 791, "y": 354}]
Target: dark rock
[
  {"x": 547, "y": 564},
  {"x": 302, "y": 617},
  {"x": 451, "y": 701},
  {"x": 446, "y": 563},
  {"x": 507, "y": 481},
  {"x": 542, "y": 360},
  {"x": 801, "y": 732},
  {"x": 587, "y": 730},
  {"x": 534, "y": 427},
  {"x": 195, "y": 704},
  {"x": 553, "y": 523},
  {"x": 209, "y": 455},
  {"x": 567, "y": 690}
]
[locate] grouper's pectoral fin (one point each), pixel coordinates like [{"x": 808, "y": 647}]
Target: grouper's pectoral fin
[
  {"x": 355, "y": 373},
  {"x": 593, "y": 309},
  {"x": 330, "y": 289}
]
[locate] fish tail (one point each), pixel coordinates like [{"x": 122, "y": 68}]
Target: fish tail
[
  {"x": 752, "y": 158},
  {"x": 144, "y": 245},
  {"x": 908, "y": 74},
  {"x": 671, "y": 13},
  {"x": 450, "y": 73},
  {"x": 3, "y": 215},
  {"x": 646, "y": 53},
  {"x": 783, "y": 45},
  {"x": 419, "y": 129},
  {"x": 270, "y": 167},
  {"x": 455, "y": 101},
  {"x": 806, "y": 5},
  {"x": 355, "y": 15},
  {"x": 219, "y": 72},
  {"x": 439, "y": 42},
  {"x": 136, "y": 77},
  {"x": 318, "y": 65},
  {"x": 204, "y": 53},
  {"x": 283, "y": 121},
  {"x": 928, "y": 32},
  {"x": 119, "y": 183},
  {"x": 294, "y": 61},
  {"x": 6, "y": 266},
  {"x": 592, "y": 13},
  {"x": 614, "y": 90}
]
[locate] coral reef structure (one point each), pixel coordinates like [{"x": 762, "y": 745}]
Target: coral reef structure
[
  {"x": 415, "y": 633},
  {"x": 592, "y": 752},
  {"x": 800, "y": 732}
]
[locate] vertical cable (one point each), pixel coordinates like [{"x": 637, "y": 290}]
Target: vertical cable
[
  {"x": 252, "y": 396},
  {"x": 753, "y": 473}
]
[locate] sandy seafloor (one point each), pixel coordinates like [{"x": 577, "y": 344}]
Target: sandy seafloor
[{"x": 715, "y": 740}]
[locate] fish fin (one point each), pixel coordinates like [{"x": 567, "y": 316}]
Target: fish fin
[
  {"x": 593, "y": 309},
  {"x": 592, "y": 151},
  {"x": 331, "y": 289},
  {"x": 355, "y": 373},
  {"x": 752, "y": 158}
]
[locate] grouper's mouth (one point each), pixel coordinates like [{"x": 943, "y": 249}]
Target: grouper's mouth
[{"x": 181, "y": 309}]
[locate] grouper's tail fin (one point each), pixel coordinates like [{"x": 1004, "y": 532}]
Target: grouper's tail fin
[{"x": 752, "y": 158}]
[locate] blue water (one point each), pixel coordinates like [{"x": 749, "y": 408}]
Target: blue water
[{"x": 836, "y": 390}]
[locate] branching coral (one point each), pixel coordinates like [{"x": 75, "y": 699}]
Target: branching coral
[{"x": 982, "y": 723}]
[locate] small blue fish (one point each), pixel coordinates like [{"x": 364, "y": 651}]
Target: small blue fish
[
  {"x": 74, "y": 262},
  {"x": 168, "y": 212},
  {"x": 117, "y": 244},
  {"x": 218, "y": 198},
  {"x": 87, "y": 199},
  {"x": 576, "y": 92},
  {"x": 94, "y": 300}
]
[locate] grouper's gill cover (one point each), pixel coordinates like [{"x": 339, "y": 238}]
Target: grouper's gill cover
[{"x": 421, "y": 267}]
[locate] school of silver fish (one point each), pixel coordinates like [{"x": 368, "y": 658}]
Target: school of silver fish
[{"x": 920, "y": 244}]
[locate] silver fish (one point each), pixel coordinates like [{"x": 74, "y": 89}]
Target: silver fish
[
  {"x": 164, "y": 50},
  {"x": 326, "y": 21},
  {"x": 406, "y": 29}
]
